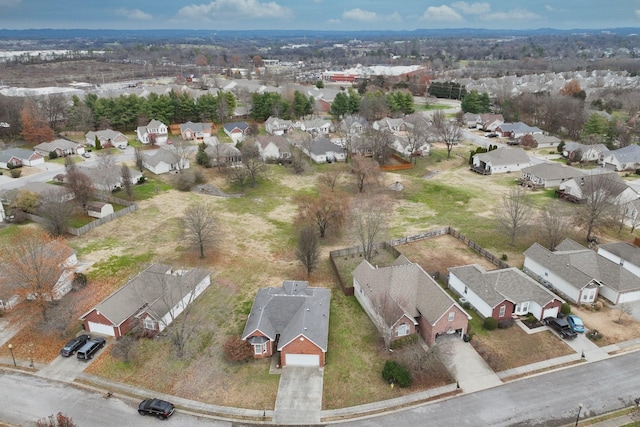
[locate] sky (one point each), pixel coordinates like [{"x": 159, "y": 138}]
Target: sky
[{"x": 318, "y": 14}]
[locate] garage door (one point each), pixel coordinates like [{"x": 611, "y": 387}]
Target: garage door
[
  {"x": 302, "y": 360},
  {"x": 550, "y": 312},
  {"x": 99, "y": 328},
  {"x": 628, "y": 297}
]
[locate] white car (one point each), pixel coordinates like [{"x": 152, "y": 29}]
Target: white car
[{"x": 86, "y": 155}]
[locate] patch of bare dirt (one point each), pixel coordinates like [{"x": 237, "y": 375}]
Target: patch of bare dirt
[{"x": 614, "y": 325}]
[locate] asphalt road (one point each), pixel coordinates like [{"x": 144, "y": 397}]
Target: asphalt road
[
  {"x": 549, "y": 399},
  {"x": 26, "y": 398}
]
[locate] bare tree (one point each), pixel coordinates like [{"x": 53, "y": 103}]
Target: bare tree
[
  {"x": 33, "y": 263},
  {"x": 514, "y": 212},
  {"x": 366, "y": 170},
  {"x": 139, "y": 159},
  {"x": 331, "y": 177},
  {"x": 445, "y": 131},
  {"x": 379, "y": 143},
  {"x": 256, "y": 168},
  {"x": 624, "y": 309},
  {"x": 81, "y": 185},
  {"x": 417, "y": 134},
  {"x": 599, "y": 193},
  {"x": 308, "y": 250},
  {"x": 325, "y": 210},
  {"x": 56, "y": 210},
  {"x": 181, "y": 150},
  {"x": 125, "y": 175},
  {"x": 201, "y": 226},
  {"x": 556, "y": 219},
  {"x": 238, "y": 175},
  {"x": 370, "y": 219}
]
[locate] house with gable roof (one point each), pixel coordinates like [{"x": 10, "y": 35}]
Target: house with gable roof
[
  {"x": 237, "y": 131},
  {"x": 321, "y": 126},
  {"x": 16, "y": 157},
  {"x": 292, "y": 320},
  {"x": 580, "y": 189},
  {"x": 62, "y": 147},
  {"x": 108, "y": 138},
  {"x": 155, "y": 129},
  {"x": 392, "y": 125},
  {"x": 622, "y": 159},
  {"x": 322, "y": 150},
  {"x": 273, "y": 147},
  {"x": 223, "y": 154},
  {"x": 277, "y": 126},
  {"x": 195, "y": 131},
  {"x": 503, "y": 293},
  {"x": 502, "y": 160},
  {"x": 151, "y": 300},
  {"x": 547, "y": 175},
  {"x": 517, "y": 130},
  {"x": 403, "y": 299},
  {"x": 164, "y": 161},
  {"x": 489, "y": 121},
  {"x": 587, "y": 153}
]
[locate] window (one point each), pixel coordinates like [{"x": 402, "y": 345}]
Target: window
[
  {"x": 503, "y": 309},
  {"x": 465, "y": 290},
  {"x": 452, "y": 316},
  {"x": 522, "y": 308},
  {"x": 260, "y": 348},
  {"x": 149, "y": 323},
  {"x": 588, "y": 295},
  {"x": 402, "y": 330}
]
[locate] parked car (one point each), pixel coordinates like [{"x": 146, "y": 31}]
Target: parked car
[
  {"x": 160, "y": 408},
  {"x": 86, "y": 155},
  {"x": 492, "y": 135},
  {"x": 90, "y": 348},
  {"x": 72, "y": 346},
  {"x": 561, "y": 326},
  {"x": 575, "y": 323}
]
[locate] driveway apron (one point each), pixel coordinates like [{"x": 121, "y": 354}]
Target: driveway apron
[
  {"x": 470, "y": 370},
  {"x": 299, "y": 399}
]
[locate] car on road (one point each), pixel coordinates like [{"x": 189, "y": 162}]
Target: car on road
[
  {"x": 72, "y": 346},
  {"x": 575, "y": 323},
  {"x": 90, "y": 348},
  {"x": 160, "y": 408},
  {"x": 561, "y": 326},
  {"x": 492, "y": 135},
  {"x": 86, "y": 155}
]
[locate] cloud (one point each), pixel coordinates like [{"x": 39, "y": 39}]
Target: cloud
[
  {"x": 472, "y": 8},
  {"x": 136, "y": 14},
  {"x": 10, "y": 3},
  {"x": 638, "y": 13},
  {"x": 360, "y": 15},
  {"x": 549, "y": 8},
  {"x": 225, "y": 9},
  {"x": 395, "y": 17},
  {"x": 442, "y": 13},
  {"x": 514, "y": 15}
]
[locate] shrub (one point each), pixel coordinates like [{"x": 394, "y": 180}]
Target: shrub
[
  {"x": 504, "y": 257},
  {"x": 79, "y": 280},
  {"x": 394, "y": 372},
  {"x": 53, "y": 155},
  {"x": 594, "y": 335},
  {"x": 466, "y": 305},
  {"x": 15, "y": 173},
  {"x": 401, "y": 342},
  {"x": 506, "y": 323},
  {"x": 237, "y": 350},
  {"x": 565, "y": 309},
  {"x": 184, "y": 181},
  {"x": 490, "y": 324}
]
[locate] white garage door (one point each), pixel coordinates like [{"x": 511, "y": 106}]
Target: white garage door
[
  {"x": 99, "y": 328},
  {"x": 302, "y": 360},
  {"x": 629, "y": 297},
  {"x": 550, "y": 312}
]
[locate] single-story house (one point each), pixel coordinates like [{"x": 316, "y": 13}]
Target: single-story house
[
  {"x": 547, "y": 175},
  {"x": 151, "y": 300},
  {"x": 403, "y": 299},
  {"x": 402, "y": 145},
  {"x": 627, "y": 256},
  {"x": 237, "y": 131},
  {"x": 387, "y": 123},
  {"x": 195, "y": 131},
  {"x": 580, "y": 189},
  {"x": 292, "y": 320},
  {"x": 470, "y": 120},
  {"x": 16, "y": 157},
  {"x": 502, "y": 160},
  {"x": 277, "y": 126},
  {"x": 581, "y": 274},
  {"x": 353, "y": 124},
  {"x": 164, "y": 160},
  {"x": 223, "y": 154},
  {"x": 503, "y": 293},
  {"x": 44, "y": 189},
  {"x": 273, "y": 147},
  {"x": 622, "y": 159},
  {"x": 99, "y": 209},
  {"x": 107, "y": 138},
  {"x": 546, "y": 141},
  {"x": 322, "y": 150},
  {"x": 587, "y": 153},
  {"x": 321, "y": 126},
  {"x": 517, "y": 130},
  {"x": 62, "y": 148},
  {"x": 109, "y": 178},
  {"x": 489, "y": 121},
  {"x": 154, "y": 130}
]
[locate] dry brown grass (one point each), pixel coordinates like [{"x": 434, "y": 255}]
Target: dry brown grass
[{"x": 613, "y": 326}]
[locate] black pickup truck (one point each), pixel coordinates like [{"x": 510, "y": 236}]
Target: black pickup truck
[{"x": 561, "y": 327}]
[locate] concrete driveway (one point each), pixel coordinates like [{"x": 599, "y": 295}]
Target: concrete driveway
[
  {"x": 299, "y": 399},
  {"x": 67, "y": 368},
  {"x": 471, "y": 371}
]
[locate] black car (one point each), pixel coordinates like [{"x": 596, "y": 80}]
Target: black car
[
  {"x": 89, "y": 348},
  {"x": 561, "y": 326},
  {"x": 160, "y": 408},
  {"x": 72, "y": 346}
]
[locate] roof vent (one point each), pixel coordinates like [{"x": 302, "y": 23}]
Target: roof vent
[{"x": 307, "y": 308}]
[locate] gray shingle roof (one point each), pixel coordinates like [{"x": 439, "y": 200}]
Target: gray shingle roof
[
  {"x": 19, "y": 153},
  {"x": 63, "y": 144},
  {"x": 626, "y": 251},
  {"x": 504, "y": 156},
  {"x": 154, "y": 291},
  {"x": 322, "y": 145},
  {"x": 291, "y": 310},
  {"x": 155, "y": 157},
  {"x": 506, "y": 284},
  {"x": 552, "y": 171}
]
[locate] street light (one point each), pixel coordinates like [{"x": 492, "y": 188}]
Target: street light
[
  {"x": 578, "y": 417},
  {"x": 12, "y": 356}
]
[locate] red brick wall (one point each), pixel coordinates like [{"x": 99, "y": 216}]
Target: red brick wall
[
  {"x": 270, "y": 346},
  {"x": 408, "y": 322},
  {"x": 507, "y": 312},
  {"x": 443, "y": 325},
  {"x": 301, "y": 345},
  {"x": 96, "y": 318}
]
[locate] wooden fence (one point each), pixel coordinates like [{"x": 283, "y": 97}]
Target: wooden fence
[
  {"x": 129, "y": 207},
  {"x": 391, "y": 244},
  {"x": 404, "y": 164}
]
